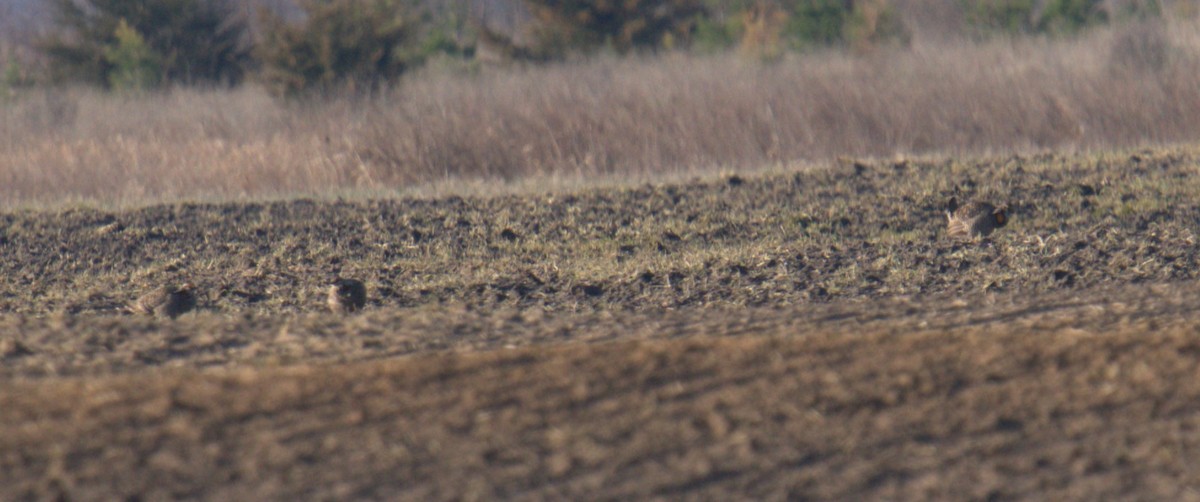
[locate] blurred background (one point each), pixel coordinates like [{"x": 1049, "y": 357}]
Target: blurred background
[{"x": 161, "y": 99}]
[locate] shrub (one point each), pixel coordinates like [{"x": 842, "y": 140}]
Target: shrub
[
  {"x": 713, "y": 34},
  {"x": 133, "y": 65},
  {"x": 341, "y": 43},
  {"x": 768, "y": 25},
  {"x": 12, "y": 78},
  {"x": 874, "y": 22},
  {"x": 193, "y": 41},
  {"x": 587, "y": 25},
  {"x": 1069, "y": 16},
  {"x": 1005, "y": 16},
  {"x": 817, "y": 22},
  {"x": 1025, "y": 17}
]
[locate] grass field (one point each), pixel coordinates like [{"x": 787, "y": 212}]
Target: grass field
[
  {"x": 804, "y": 333},
  {"x": 500, "y": 130}
]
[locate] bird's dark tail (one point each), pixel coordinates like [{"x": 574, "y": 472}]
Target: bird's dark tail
[{"x": 951, "y": 207}]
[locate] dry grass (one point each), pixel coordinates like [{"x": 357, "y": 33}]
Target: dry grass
[{"x": 642, "y": 118}]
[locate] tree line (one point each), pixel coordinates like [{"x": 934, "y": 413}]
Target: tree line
[{"x": 141, "y": 44}]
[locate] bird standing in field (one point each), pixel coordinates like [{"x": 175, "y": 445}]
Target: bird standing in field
[
  {"x": 347, "y": 295},
  {"x": 166, "y": 301},
  {"x": 973, "y": 219}
]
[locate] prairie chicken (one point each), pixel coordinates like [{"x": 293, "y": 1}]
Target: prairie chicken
[
  {"x": 167, "y": 301},
  {"x": 347, "y": 295},
  {"x": 973, "y": 219}
]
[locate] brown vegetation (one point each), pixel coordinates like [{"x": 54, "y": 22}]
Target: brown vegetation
[{"x": 1111, "y": 88}]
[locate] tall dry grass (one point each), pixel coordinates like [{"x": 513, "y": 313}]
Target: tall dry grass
[{"x": 1113, "y": 88}]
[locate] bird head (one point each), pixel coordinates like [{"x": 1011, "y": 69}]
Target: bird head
[{"x": 1000, "y": 215}]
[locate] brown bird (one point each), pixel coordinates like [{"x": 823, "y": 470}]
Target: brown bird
[
  {"x": 347, "y": 295},
  {"x": 973, "y": 219},
  {"x": 167, "y": 301}
]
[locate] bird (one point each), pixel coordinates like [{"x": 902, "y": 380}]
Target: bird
[
  {"x": 346, "y": 295},
  {"x": 166, "y": 301},
  {"x": 973, "y": 219}
]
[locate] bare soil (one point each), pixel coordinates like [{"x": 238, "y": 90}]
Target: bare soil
[{"x": 797, "y": 335}]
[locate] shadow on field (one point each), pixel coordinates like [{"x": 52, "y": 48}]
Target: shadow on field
[{"x": 1087, "y": 397}]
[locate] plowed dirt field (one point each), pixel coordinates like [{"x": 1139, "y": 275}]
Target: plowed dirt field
[{"x": 800, "y": 335}]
